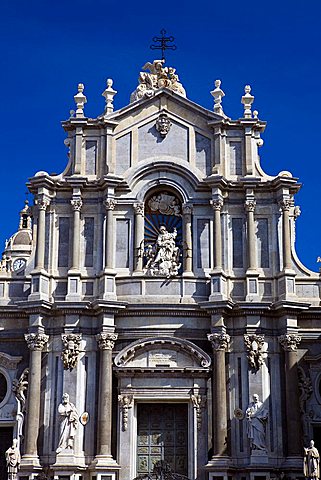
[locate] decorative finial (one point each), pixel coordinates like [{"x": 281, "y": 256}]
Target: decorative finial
[
  {"x": 218, "y": 94},
  {"x": 163, "y": 43},
  {"x": 109, "y": 94},
  {"x": 247, "y": 101},
  {"x": 80, "y": 100}
]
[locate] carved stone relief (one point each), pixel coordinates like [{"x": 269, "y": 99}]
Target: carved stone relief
[
  {"x": 71, "y": 350},
  {"x": 126, "y": 402},
  {"x": 254, "y": 345},
  {"x": 199, "y": 402}
]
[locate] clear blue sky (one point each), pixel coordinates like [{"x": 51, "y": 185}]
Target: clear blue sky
[{"x": 47, "y": 47}]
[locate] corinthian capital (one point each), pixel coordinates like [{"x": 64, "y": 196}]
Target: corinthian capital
[
  {"x": 36, "y": 341},
  {"x": 76, "y": 204},
  {"x": 219, "y": 341},
  {"x": 43, "y": 203},
  {"x": 249, "y": 205},
  {"x": 290, "y": 341},
  {"x": 217, "y": 204},
  {"x": 110, "y": 203},
  {"x": 187, "y": 209},
  {"x": 285, "y": 205},
  {"x": 106, "y": 340},
  {"x": 139, "y": 208}
]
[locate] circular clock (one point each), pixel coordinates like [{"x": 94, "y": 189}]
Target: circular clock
[{"x": 19, "y": 264}]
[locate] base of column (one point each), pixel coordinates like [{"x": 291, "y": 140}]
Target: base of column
[
  {"x": 67, "y": 460},
  {"x": 103, "y": 462},
  {"x": 221, "y": 461},
  {"x": 30, "y": 463}
]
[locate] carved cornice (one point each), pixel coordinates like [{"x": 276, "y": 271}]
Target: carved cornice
[
  {"x": 139, "y": 208},
  {"x": 254, "y": 345},
  {"x": 110, "y": 203},
  {"x": 106, "y": 340},
  {"x": 36, "y": 341},
  {"x": 126, "y": 402},
  {"x": 250, "y": 205},
  {"x": 76, "y": 204},
  {"x": 217, "y": 204},
  {"x": 71, "y": 350},
  {"x": 290, "y": 341},
  {"x": 9, "y": 362},
  {"x": 219, "y": 341}
]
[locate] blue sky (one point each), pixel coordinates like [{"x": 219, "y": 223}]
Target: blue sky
[{"x": 47, "y": 48}]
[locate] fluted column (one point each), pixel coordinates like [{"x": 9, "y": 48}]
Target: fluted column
[
  {"x": 285, "y": 206},
  {"x": 76, "y": 204},
  {"x": 290, "y": 344},
  {"x": 40, "y": 254},
  {"x": 217, "y": 207},
  {"x": 139, "y": 236},
  {"x": 109, "y": 252},
  {"x": 36, "y": 343},
  {"x": 106, "y": 342},
  {"x": 219, "y": 343},
  {"x": 187, "y": 237},
  {"x": 251, "y": 241}
]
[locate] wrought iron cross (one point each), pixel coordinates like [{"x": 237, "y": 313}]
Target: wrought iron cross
[{"x": 163, "y": 43}]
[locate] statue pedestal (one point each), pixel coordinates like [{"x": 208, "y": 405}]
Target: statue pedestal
[{"x": 259, "y": 457}]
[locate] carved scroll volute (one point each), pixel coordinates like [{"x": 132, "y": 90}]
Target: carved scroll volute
[{"x": 126, "y": 402}]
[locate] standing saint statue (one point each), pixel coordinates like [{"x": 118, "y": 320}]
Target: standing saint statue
[
  {"x": 13, "y": 460},
  {"x": 68, "y": 423},
  {"x": 163, "y": 259},
  {"x": 257, "y": 416},
  {"x": 311, "y": 465}
]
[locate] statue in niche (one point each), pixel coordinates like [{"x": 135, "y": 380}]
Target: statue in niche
[
  {"x": 257, "y": 416},
  {"x": 311, "y": 465},
  {"x": 19, "y": 388},
  {"x": 163, "y": 257},
  {"x": 68, "y": 423},
  {"x": 13, "y": 460}
]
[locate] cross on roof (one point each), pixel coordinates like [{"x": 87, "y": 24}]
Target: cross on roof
[{"x": 163, "y": 43}]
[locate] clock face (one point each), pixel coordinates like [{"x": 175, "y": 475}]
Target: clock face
[{"x": 18, "y": 264}]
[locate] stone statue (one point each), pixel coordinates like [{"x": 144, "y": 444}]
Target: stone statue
[
  {"x": 311, "y": 465},
  {"x": 19, "y": 388},
  {"x": 69, "y": 423},
  {"x": 13, "y": 460},
  {"x": 257, "y": 416},
  {"x": 163, "y": 259}
]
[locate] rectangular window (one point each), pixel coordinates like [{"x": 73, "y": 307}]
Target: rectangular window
[
  {"x": 89, "y": 234},
  {"x": 91, "y": 157},
  {"x": 122, "y": 243},
  {"x": 235, "y": 154},
  {"x": 237, "y": 236},
  {"x": 63, "y": 244},
  {"x": 203, "y": 243},
  {"x": 263, "y": 242}
]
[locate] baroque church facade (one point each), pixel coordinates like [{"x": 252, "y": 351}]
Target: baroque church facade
[{"x": 152, "y": 304}]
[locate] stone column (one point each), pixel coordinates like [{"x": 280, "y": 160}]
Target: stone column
[
  {"x": 36, "y": 343},
  {"x": 285, "y": 206},
  {"x": 251, "y": 240},
  {"x": 41, "y": 233},
  {"x": 76, "y": 204},
  {"x": 187, "y": 238},
  {"x": 109, "y": 249},
  {"x": 290, "y": 344},
  {"x": 106, "y": 342},
  {"x": 217, "y": 207},
  {"x": 139, "y": 236},
  {"x": 220, "y": 343}
]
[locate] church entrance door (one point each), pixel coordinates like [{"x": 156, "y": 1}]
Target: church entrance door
[
  {"x": 162, "y": 434},
  {"x": 6, "y": 435}
]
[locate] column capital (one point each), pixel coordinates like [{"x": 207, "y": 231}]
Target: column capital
[
  {"x": 217, "y": 204},
  {"x": 110, "y": 203},
  {"x": 187, "y": 209},
  {"x": 285, "y": 205},
  {"x": 76, "y": 204},
  {"x": 36, "y": 341},
  {"x": 139, "y": 208},
  {"x": 250, "y": 205},
  {"x": 219, "y": 341},
  {"x": 290, "y": 341},
  {"x": 43, "y": 203},
  {"x": 106, "y": 340}
]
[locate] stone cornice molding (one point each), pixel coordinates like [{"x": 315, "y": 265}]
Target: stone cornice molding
[
  {"x": 290, "y": 341},
  {"x": 219, "y": 341},
  {"x": 106, "y": 340},
  {"x": 36, "y": 341}
]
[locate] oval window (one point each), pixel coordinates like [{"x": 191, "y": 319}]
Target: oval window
[{"x": 3, "y": 387}]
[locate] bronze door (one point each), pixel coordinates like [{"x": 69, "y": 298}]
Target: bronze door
[{"x": 162, "y": 434}]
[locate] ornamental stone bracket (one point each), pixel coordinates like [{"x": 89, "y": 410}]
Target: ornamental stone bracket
[
  {"x": 106, "y": 340},
  {"x": 126, "y": 402},
  {"x": 36, "y": 341},
  {"x": 254, "y": 345},
  {"x": 199, "y": 402},
  {"x": 219, "y": 341},
  {"x": 71, "y": 350},
  {"x": 290, "y": 341}
]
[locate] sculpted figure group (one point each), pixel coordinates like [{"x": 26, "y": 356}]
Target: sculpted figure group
[{"x": 163, "y": 257}]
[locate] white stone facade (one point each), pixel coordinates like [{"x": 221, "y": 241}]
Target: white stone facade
[{"x": 160, "y": 343}]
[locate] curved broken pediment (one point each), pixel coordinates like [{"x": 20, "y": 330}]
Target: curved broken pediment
[{"x": 164, "y": 352}]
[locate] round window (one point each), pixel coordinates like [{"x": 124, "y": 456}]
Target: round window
[{"x": 3, "y": 387}]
